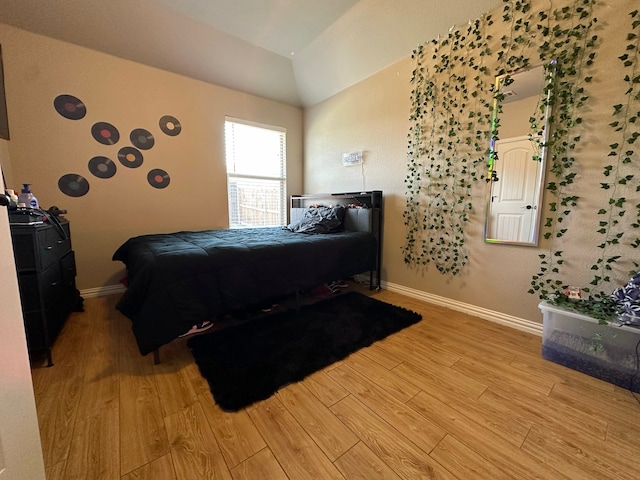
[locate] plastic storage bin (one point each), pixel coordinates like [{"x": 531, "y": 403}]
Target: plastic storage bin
[{"x": 608, "y": 352}]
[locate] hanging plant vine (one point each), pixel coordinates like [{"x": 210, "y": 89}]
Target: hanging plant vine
[
  {"x": 620, "y": 173},
  {"x": 451, "y": 103},
  {"x": 437, "y": 179},
  {"x": 571, "y": 43},
  {"x": 445, "y": 147}
]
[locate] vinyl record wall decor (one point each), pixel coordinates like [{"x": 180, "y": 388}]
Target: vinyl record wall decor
[
  {"x": 70, "y": 107},
  {"x": 102, "y": 167},
  {"x": 141, "y": 138},
  {"x": 105, "y": 133}
]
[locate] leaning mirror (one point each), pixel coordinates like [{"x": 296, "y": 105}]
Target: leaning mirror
[{"x": 517, "y": 156}]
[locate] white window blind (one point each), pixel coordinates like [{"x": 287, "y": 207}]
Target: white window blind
[{"x": 256, "y": 174}]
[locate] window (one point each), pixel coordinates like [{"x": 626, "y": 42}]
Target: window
[{"x": 256, "y": 174}]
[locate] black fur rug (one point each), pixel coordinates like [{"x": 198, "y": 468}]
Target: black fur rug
[{"x": 251, "y": 361}]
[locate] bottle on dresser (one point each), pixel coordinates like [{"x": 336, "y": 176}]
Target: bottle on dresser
[{"x": 27, "y": 197}]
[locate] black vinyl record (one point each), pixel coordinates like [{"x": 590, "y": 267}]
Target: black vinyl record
[
  {"x": 70, "y": 107},
  {"x": 130, "y": 157},
  {"x": 105, "y": 133},
  {"x": 158, "y": 178},
  {"x": 170, "y": 125},
  {"x": 73, "y": 185},
  {"x": 141, "y": 138},
  {"x": 102, "y": 167}
]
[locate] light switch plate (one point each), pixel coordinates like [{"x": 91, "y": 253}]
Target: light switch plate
[{"x": 353, "y": 158}]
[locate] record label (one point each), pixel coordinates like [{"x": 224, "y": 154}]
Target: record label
[
  {"x": 105, "y": 133},
  {"x": 70, "y": 107},
  {"x": 170, "y": 125},
  {"x": 141, "y": 138},
  {"x": 73, "y": 185},
  {"x": 130, "y": 157},
  {"x": 158, "y": 178},
  {"x": 102, "y": 167}
]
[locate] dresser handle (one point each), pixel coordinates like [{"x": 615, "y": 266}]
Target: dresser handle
[{"x": 48, "y": 247}]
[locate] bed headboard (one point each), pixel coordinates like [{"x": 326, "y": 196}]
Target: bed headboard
[
  {"x": 355, "y": 219},
  {"x": 370, "y": 199},
  {"x": 363, "y": 210}
]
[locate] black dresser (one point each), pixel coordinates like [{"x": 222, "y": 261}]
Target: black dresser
[{"x": 47, "y": 280}]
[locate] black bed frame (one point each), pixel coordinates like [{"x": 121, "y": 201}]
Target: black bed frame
[
  {"x": 366, "y": 200},
  {"x": 370, "y": 200}
]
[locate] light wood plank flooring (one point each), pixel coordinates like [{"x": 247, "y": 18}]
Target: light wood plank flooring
[{"x": 452, "y": 397}]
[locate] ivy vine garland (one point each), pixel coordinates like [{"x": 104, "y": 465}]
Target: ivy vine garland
[
  {"x": 446, "y": 144},
  {"x": 620, "y": 174},
  {"x": 568, "y": 40},
  {"x": 450, "y": 116}
]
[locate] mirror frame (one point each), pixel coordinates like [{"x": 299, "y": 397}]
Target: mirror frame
[{"x": 545, "y": 97}]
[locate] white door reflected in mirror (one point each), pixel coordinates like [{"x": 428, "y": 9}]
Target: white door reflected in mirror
[{"x": 514, "y": 193}]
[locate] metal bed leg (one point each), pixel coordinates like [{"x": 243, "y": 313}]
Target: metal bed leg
[
  {"x": 49, "y": 358},
  {"x": 374, "y": 286}
]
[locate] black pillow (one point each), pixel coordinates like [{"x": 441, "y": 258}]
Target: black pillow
[{"x": 319, "y": 220}]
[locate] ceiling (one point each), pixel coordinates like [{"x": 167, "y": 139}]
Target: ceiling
[{"x": 299, "y": 52}]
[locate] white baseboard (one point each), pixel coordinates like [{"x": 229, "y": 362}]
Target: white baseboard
[
  {"x": 102, "y": 291},
  {"x": 486, "y": 314}
]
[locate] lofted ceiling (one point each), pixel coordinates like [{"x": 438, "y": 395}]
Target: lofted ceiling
[{"x": 299, "y": 52}]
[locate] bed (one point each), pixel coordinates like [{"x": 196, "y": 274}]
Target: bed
[{"x": 178, "y": 280}]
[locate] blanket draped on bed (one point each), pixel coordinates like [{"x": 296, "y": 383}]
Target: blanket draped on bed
[{"x": 180, "y": 279}]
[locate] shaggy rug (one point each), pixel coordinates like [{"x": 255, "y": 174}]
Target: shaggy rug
[{"x": 251, "y": 361}]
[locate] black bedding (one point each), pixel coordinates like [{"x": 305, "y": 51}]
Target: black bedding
[{"x": 178, "y": 280}]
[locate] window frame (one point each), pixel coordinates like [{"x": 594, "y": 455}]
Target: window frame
[{"x": 235, "y": 220}]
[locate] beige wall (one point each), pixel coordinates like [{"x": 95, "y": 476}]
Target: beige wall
[
  {"x": 44, "y": 145},
  {"x": 373, "y": 116}
]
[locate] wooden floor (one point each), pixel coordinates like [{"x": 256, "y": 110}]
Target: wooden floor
[{"x": 452, "y": 397}]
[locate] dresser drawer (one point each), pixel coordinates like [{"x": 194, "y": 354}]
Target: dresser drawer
[
  {"x": 35, "y": 329},
  {"x": 53, "y": 246},
  {"x": 29, "y": 284},
  {"x": 26, "y": 247},
  {"x": 38, "y": 291},
  {"x": 38, "y": 247},
  {"x": 43, "y": 312},
  {"x": 68, "y": 295}
]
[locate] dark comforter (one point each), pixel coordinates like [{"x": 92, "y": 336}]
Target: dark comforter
[{"x": 178, "y": 280}]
